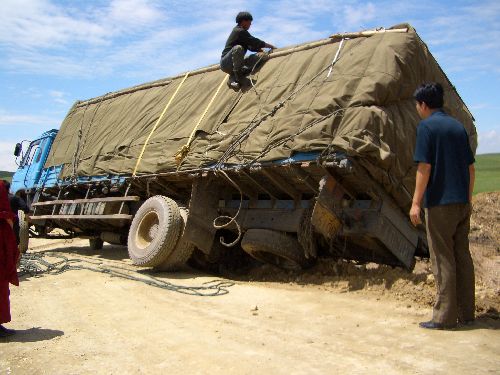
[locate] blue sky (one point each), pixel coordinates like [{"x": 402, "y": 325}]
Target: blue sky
[{"x": 55, "y": 52}]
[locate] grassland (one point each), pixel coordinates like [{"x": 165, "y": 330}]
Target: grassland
[
  {"x": 487, "y": 173},
  {"x": 4, "y": 175}
]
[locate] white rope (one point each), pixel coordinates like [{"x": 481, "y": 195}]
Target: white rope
[{"x": 335, "y": 58}]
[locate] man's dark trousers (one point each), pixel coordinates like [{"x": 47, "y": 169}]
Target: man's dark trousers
[
  {"x": 448, "y": 238},
  {"x": 233, "y": 61}
]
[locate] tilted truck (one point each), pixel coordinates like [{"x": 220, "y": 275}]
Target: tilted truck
[{"x": 313, "y": 158}]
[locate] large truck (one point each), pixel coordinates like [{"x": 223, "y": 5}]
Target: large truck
[{"x": 313, "y": 157}]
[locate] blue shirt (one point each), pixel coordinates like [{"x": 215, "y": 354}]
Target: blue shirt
[{"x": 443, "y": 143}]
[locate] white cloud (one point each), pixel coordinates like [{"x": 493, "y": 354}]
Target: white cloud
[
  {"x": 7, "y": 158},
  {"x": 58, "y": 96},
  {"x": 40, "y": 24},
  {"x": 16, "y": 119},
  {"x": 489, "y": 141},
  {"x": 357, "y": 16},
  {"x": 133, "y": 13}
]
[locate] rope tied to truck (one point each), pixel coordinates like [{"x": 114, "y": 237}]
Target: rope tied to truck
[
  {"x": 141, "y": 154},
  {"x": 38, "y": 264},
  {"x": 184, "y": 150}
]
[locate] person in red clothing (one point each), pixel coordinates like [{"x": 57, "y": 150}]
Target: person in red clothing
[{"x": 9, "y": 254}]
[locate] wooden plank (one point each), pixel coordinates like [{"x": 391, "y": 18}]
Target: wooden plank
[
  {"x": 304, "y": 177},
  {"x": 89, "y": 217},
  {"x": 90, "y": 200},
  {"x": 170, "y": 191},
  {"x": 281, "y": 184},
  {"x": 367, "y": 33},
  {"x": 258, "y": 185},
  {"x": 245, "y": 188}
]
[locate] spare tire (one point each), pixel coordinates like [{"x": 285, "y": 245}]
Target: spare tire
[
  {"x": 24, "y": 231},
  {"x": 154, "y": 231},
  {"x": 278, "y": 248},
  {"x": 182, "y": 251}
]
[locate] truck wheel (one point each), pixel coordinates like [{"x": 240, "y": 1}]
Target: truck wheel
[
  {"x": 95, "y": 243},
  {"x": 278, "y": 248},
  {"x": 154, "y": 231},
  {"x": 182, "y": 251},
  {"x": 24, "y": 231}
]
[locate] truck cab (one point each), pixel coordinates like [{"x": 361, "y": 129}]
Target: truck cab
[{"x": 32, "y": 160}]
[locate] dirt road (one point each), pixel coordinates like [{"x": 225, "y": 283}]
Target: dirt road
[{"x": 81, "y": 322}]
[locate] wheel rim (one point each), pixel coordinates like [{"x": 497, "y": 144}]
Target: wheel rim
[{"x": 147, "y": 229}]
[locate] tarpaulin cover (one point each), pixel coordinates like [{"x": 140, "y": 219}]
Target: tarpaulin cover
[{"x": 373, "y": 81}]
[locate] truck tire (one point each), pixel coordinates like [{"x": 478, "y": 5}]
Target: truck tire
[
  {"x": 182, "y": 251},
  {"x": 96, "y": 243},
  {"x": 24, "y": 232},
  {"x": 278, "y": 248},
  {"x": 154, "y": 231}
]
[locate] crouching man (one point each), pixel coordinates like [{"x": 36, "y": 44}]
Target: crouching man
[
  {"x": 233, "y": 61},
  {"x": 445, "y": 179}
]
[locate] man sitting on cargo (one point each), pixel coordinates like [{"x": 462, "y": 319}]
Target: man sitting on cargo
[
  {"x": 233, "y": 61},
  {"x": 445, "y": 179}
]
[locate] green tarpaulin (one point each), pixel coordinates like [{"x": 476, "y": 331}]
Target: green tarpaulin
[{"x": 370, "y": 88}]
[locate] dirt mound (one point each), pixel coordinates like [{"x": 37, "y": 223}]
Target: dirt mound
[
  {"x": 485, "y": 219},
  {"x": 415, "y": 287}
]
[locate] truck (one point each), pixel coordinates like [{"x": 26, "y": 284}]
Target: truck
[{"x": 311, "y": 158}]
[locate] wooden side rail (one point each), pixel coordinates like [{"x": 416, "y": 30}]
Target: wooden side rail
[
  {"x": 131, "y": 198},
  {"x": 87, "y": 217}
]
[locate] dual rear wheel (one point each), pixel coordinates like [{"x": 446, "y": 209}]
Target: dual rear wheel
[
  {"x": 156, "y": 240},
  {"x": 156, "y": 235}
]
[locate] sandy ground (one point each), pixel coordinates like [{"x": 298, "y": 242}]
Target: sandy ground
[{"x": 81, "y": 322}]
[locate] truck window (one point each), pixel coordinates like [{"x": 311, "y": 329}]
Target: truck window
[
  {"x": 28, "y": 158},
  {"x": 40, "y": 150}
]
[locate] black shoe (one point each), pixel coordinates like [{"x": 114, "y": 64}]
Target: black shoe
[
  {"x": 433, "y": 325},
  {"x": 468, "y": 322},
  {"x": 233, "y": 83},
  {"x": 5, "y": 332}
]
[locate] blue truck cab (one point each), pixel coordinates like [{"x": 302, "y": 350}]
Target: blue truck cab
[{"x": 28, "y": 175}]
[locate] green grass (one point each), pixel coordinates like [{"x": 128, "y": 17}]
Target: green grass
[
  {"x": 487, "y": 173},
  {"x": 4, "y": 175}
]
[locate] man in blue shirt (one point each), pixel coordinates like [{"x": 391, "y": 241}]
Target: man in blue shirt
[{"x": 445, "y": 181}]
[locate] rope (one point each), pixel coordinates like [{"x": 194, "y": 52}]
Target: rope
[
  {"x": 156, "y": 125},
  {"x": 77, "y": 148},
  {"x": 184, "y": 150},
  {"x": 252, "y": 126},
  {"x": 264, "y": 55},
  {"x": 271, "y": 146},
  {"x": 36, "y": 265},
  {"x": 335, "y": 58},
  {"x": 231, "y": 219}
]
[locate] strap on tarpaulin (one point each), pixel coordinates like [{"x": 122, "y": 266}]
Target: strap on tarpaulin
[
  {"x": 156, "y": 125},
  {"x": 183, "y": 151}
]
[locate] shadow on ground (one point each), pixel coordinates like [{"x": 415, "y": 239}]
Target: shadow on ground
[
  {"x": 109, "y": 252},
  {"x": 34, "y": 334}
]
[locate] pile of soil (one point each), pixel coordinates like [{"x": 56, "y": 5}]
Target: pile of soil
[
  {"x": 485, "y": 219},
  {"x": 418, "y": 286}
]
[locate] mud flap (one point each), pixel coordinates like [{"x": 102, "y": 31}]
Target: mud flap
[
  {"x": 324, "y": 218},
  {"x": 203, "y": 208}
]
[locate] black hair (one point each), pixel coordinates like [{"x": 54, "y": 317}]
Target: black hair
[
  {"x": 243, "y": 16},
  {"x": 430, "y": 94}
]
